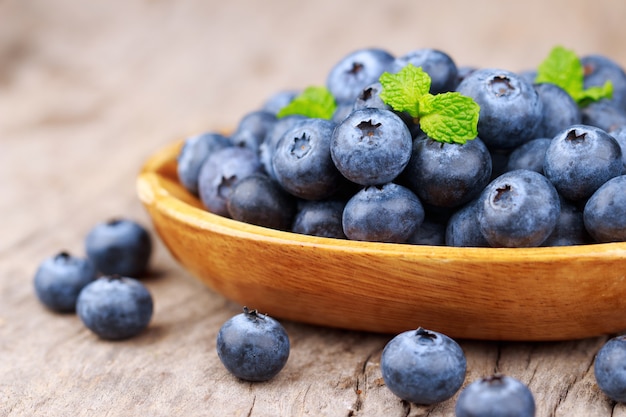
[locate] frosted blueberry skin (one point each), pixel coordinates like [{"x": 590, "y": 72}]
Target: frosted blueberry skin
[
  {"x": 371, "y": 146},
  {"x": 253, "y": 346},
  {"x": 252, "y": 129},
  {"x": 278, "y": 100},
  {"x": 511, "y": 112},
  {"x": 302, "y": 163},
  {"x": 115, "y": 307},
  {"x": 268, "y": 146},
  {"x": 195, "y": 150},
  {"x": 423, "y": 367},
  {"x": 605, "y": 212},
  {"x": 570, "y": 229},
  {"x": 221, "y": 171},
  {"x": 447, "y": 174},
  {"x": 463, "y": 230},
  {"x": 430, "y": 233},
  {"x": 620, "y": 136},
  {"x": 119, "y": 246},
  {"x": 320, "y": 218},
  {"x": 598, "y": 69},
  {"x": 60, "y": 278},
  {"x": 560, "y": 111},
  {"x": 437, "y": 64},
  {"x": 604, "y": 114},
  {"x": 580, "y": 159},
  {"x": 496, "y": 396},
  {"x": 382, "y": 213},
  {"x": 355, "y": 71},
  {"x": 530, "y": 155},
  {"x": 261, "y": 201},
  {"x": 610, "y": 369},
  {"x": 518, "y": 209}
]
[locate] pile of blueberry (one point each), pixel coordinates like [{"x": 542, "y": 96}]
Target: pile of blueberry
[
  {"x": 546, "y": 167},
  {"x": 103, "y": 288}
]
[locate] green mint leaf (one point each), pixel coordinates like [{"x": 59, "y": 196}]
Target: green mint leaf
[
  {"x": 563, "y": 68},
  {"x": 314, "y": 102},
  {"x": 402, "y": 90},
  {"x": 449, "y": 117}
]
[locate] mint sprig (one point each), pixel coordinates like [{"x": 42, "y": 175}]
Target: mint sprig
[
  {"x": 563, "y": 68},
  {"x": 314, "y": 101},
  {"x": 447, "y": 117}
]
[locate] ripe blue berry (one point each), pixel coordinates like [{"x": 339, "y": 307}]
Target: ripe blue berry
[
  {"x": 195, "y": 150},
  {"x": 253, "y": 346},
  {"x": 605, "y": 212},
  {"x": 115, "y": 307},
  {"x": 610, "y": 369},
  {"x": 437, "y": 64},
  {"x": 423, "y": 366},
  {"x": 119, "y": 246},
  {"x": 59, "y": 280},
  {"x": 496, "y": 396}
]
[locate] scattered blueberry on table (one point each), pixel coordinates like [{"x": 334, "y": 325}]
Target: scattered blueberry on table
[{"x": 496, "y": 396}]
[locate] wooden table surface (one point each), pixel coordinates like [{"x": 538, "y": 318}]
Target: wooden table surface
[{"x": 89, "y": 90}]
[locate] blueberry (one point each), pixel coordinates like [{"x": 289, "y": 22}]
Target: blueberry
[
  {"x": 580, "y": 159},
  {"x": 430, "y": 233},
  {"x": 518, "y": 209},
  {"x": 320, "y": 218},
  {"x": 598, "y": 69},
  {"x": 253, "y": 346},
  {"x": 115, "y": 307},
  {"x": 530, "y": 155},
  {"x": 119, "y": 246},
  {"x": 268, "y": 146},
  {"x": 620, "y": 136},
  {"x": 495, "y": 396},
  {"x": 605, "y": 212},
  {"x": 60, "y": 278},
  {"x": 463, "y": 230},
  {"x": 610, "y": 368},
  {"x": 371, "y": 146},
  {"x": 570, "y": 228},
  {"x": 382, "y": 213},
  {"x": 253, "y": 128},
  {"x": 195, "y": 150},
  {"x": 355, "y": 71},
  {"x": 437, "y": 64},
  {"x": 560, "y": 111},
  {"x": 259, "y": 200},
  {"x": 302, "y": 163},
  {"x": 447, "y": 174},
  {"x": 221, "y": 171},
  {"x": 278, "y": 100},
  {"x": 511, "y": 112},
  {"x": 423, "y": 366},
  {"x": 369, "y": 97},
  {"x": 604, "y": 114}
]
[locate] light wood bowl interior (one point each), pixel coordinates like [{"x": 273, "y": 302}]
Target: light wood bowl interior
[{"x": 536, "y": 294}]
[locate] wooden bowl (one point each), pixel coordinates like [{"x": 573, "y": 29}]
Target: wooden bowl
[{"x": 536, "y": 294}]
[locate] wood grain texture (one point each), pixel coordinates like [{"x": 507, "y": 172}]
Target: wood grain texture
[{"x": 87, "y": 94}]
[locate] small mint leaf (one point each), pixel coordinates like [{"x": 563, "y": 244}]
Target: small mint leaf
[
  {"x": 314, "y": 102},
  {"x": 402, "y": 90},
  {"x": 449, "y": 117},
  {"x": 563, "y": 68}
]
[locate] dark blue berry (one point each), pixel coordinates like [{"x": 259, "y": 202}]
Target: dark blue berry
[
  {"x": 620, "y": 136},
  {"x": 530, "y": 155},
  {"x": 423, "y": 366},
  {"x": 430, "y": 233},
  {"x": 278, "y": 100},
  {"x": 119, "y": 246},
  {"x": 253, "y": 346},
  {"x": 60, "y": 278},
  {"x": 605, "y": 114},
  {"x": 447, "y": 174},
  {"x": 495, "y": 396},
  {"x": 382, "y": 213},
  {"x": 511, "y": 112},
  {"x": 302, "y": 163},
  {"x": 463, "y": 229},
  {"x": 371, "y": 146},
  {"x": 610, "y": 368},
  {"x": 320, "y": 218},
  {"x": 261, "y": 201},
  {"x": 221, "y": 171},
  {"x": 252, "y": 129},
  {"x": 599, "y": 69},
  {"x": 268, "y": 146},
  {"x": 518, "y": 209},
  {"x": 560, "y": 111},
  {"x": 195, "y": 150},
  {"x": 605, "y": 211},
  {"x": 580, "y": 159},
  {"x": 570, "y": 228},
  {"x": 115, "y": 307},
  {"x": 355, "y": 71},
  {"x": 437, "y": 64}
]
